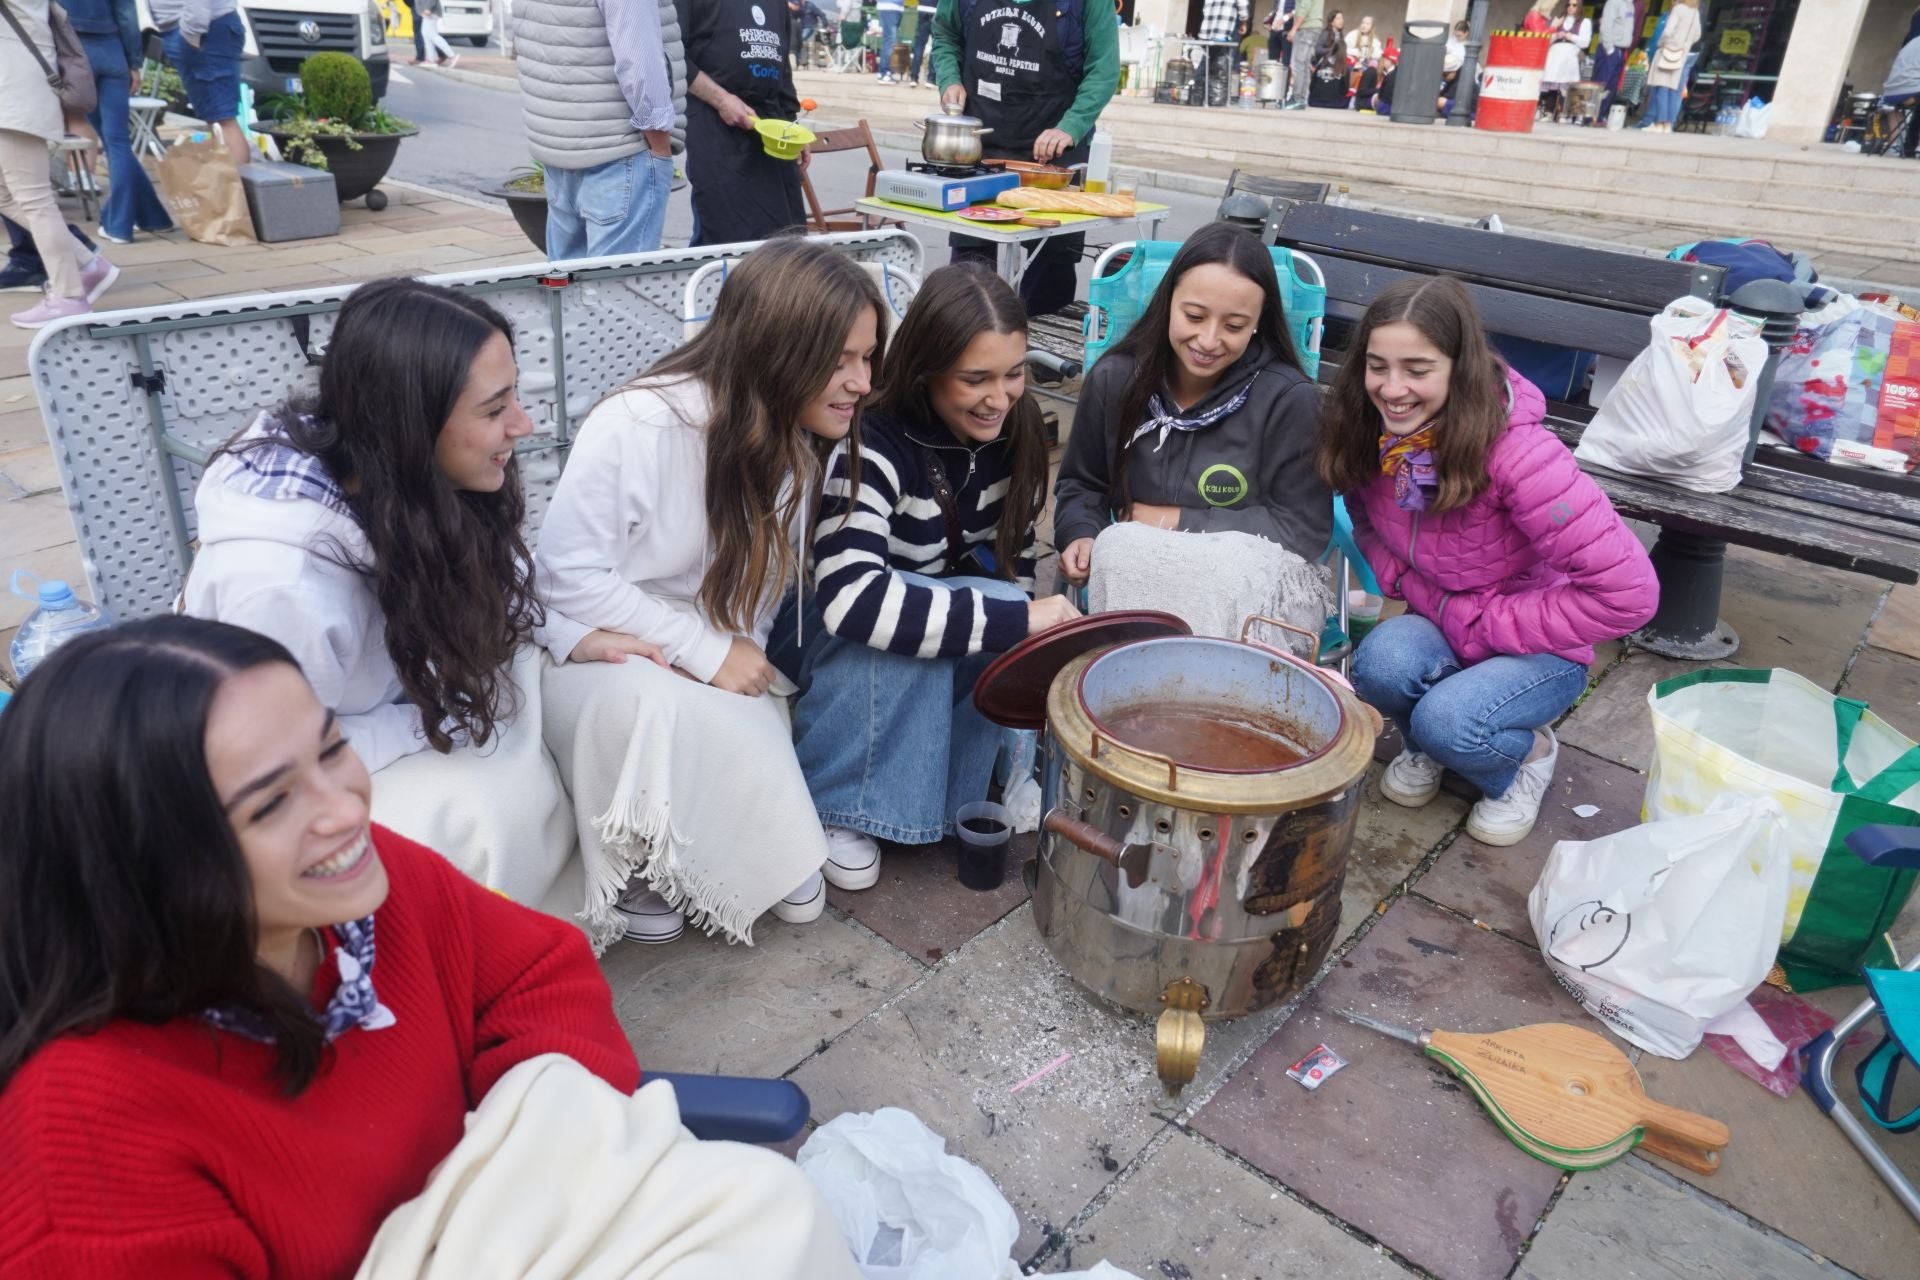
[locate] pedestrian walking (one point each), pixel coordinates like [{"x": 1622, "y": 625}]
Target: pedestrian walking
[
  {"x": 1666, "y": 76},
  {"x": 1279, "y": 22},
  {"x": 23, "y": 271},
  {"x": 922, "y": 37},
  {"x": 737, "y": 74},
  {"x": 888, "y": 13},
  {"x": 598, "y": 95},
  {"x": 110, "y": 32},
  {"x": 436, "y": 44},
  {"x": 419, "y": 39},
  {"x": 1038, "y": 73},
  {"x": 204, "y": 40},
  {"x": 1309, "y": 20},
  {"x": 31, "y": 117}
]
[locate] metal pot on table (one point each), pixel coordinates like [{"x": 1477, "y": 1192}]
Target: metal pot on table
[
  {"x": 1200, "y": 798},
  {"x": 951, "y": 139},
  {"x": 1273, "y": 81}
]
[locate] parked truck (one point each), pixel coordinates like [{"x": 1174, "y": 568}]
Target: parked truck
[{"x": 281, "y": 34}]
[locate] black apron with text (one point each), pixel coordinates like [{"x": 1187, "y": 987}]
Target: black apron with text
[
  {"x": 739, "y": 191},
  {"x": 1015, "y": 71}
]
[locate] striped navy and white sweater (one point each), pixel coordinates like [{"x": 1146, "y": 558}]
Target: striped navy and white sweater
[{"x": 863, "y": 543}]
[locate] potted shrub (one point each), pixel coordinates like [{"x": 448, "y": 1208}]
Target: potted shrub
[
  {"x": 333, "y": 124},
  {"x": 525, "y": 192}
]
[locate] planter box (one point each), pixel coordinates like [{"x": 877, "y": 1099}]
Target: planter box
[{"x": 355, "y": 173}]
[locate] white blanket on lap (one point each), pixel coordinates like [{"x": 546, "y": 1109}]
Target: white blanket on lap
[
  {"x": 560, "y": 1175},
  {"x": 1212, "y": 581}
]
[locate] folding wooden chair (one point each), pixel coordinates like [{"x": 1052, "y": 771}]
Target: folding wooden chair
[{"x": 853, "y": 137}]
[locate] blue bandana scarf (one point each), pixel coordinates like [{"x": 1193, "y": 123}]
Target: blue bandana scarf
[
  {"x": 1165, "y": 421},
  {"x": 353, "y": 1004}
]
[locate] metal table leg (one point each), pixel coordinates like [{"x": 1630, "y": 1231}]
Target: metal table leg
[{"x": 1688, "y": 625}]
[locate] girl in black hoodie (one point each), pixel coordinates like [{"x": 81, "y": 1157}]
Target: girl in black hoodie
[{"x": 1200, "y": 418}]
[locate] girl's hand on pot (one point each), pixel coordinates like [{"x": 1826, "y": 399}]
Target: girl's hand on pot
[
  {"x": 1076, "y": 561},
  {"x": 1049, "y": 611},
  {"x": 746, "y": 670},
  {"x": 1051, "y": 144},
  {"x": 1158, "y": 517},
  {"x": 615, "y": 647}
]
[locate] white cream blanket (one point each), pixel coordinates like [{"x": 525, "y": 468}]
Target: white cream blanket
[
  {"x": 1212, "y": 581},
  {"x": 561, "y": 1175}
]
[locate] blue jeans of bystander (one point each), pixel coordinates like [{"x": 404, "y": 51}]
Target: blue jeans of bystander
[
  {"x": 131, "y": 201},
  {"x": 1476, "y": 720},
  {"x": 889, "y": 36},
  {"x": 615, "y": 208}
]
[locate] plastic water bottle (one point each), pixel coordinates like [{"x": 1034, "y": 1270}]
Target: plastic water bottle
[
  {"x": 1099, "y": 160},
  {"x": 61, "y": 616}
]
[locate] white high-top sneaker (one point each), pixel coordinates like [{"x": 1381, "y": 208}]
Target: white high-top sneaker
[
  {"x": 1412, "y": 778},
  {"x": 649, "y": 918},
  {"x": 803, "y": 905},
  {"x": 1509, "y": 819},
  {"x": 853, "y": 859}
]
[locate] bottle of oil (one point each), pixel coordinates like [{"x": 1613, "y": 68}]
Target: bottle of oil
[{"x": 1099, "y": 160}]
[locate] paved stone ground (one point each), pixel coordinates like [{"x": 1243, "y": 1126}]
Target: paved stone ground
[{"x": 923, "y": 994}]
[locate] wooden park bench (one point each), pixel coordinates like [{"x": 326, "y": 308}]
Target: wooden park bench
[{"x": 1601, "y": 301}]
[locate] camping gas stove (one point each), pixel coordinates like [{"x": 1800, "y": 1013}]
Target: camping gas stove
[{"x": 945, "y": 187}]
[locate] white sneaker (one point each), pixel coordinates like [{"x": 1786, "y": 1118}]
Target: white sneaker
[
  {"x": 1509, "y": 819},
  {"x": 649, "y": 918},
  {"x": 803, "y": 905},
  {"x": 853, "y": 859},
  {"x": 1412, "y": 778}
]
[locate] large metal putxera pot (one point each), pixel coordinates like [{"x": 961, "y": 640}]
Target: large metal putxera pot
[
  {"x": 951, "y": 139},
  {"x": 1203, "y": 880}
]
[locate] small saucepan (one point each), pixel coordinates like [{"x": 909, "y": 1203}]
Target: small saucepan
[{"x": 951, "y": 139}]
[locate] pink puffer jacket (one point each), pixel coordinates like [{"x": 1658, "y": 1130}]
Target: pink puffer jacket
[{"x": 1538, "y": 563}]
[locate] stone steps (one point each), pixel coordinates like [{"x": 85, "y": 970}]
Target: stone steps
[{"x": 1816, "y": 198}]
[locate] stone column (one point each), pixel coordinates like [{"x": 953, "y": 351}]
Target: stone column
[
  {"x": 1169, "y": 17},
  {"x": 1815, "y": 67},
  {"x": 1448, "y": 11}
]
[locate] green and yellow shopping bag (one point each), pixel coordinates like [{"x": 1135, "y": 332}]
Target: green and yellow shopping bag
[{"x": 1833, "y": 766}]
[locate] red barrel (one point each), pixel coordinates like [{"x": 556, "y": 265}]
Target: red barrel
[{"x": 1510, "y": 81}]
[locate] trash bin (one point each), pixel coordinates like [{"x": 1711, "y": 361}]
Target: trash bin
[
  {"x": 1510, "y": 81},
  {"x": 1416, "y": 85}
]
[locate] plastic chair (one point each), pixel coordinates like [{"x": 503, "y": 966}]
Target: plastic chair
[
  {"x": 1893, "y": 847},
  {"x": 1115, "y": 301},
  {"x": 737, "y": 1108},
  {"x": 1349, "y": 565}
]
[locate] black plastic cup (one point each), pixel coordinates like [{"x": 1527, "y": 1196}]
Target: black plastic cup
[{"x": 984, "y": 829}]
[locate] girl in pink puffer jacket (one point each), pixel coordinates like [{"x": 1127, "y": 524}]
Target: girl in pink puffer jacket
[{"x": 1512, "y": 562}]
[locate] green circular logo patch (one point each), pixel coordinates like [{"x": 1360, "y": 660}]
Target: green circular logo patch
[{"x": 1222, "y": 485}]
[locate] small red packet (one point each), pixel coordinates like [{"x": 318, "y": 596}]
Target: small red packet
[{"x": 1312, "y": 1071}]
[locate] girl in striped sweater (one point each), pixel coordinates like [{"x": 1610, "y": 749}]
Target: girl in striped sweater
[{"x": 923, "y": 565}]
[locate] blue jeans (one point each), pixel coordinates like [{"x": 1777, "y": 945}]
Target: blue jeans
[
  {"x": 889, "y": 32},
  {"x": 619, "y": 207},
  {"x": 130, "y": 201},
  {"x": 922, "y": 34},
  {"x": 1477, "y": 721},
  {"x": 211, "y": 73},
  {"x": 23, "y": 255},
  {"x": 890, "y": 745},
  {"x": 1663, "y": 105}
]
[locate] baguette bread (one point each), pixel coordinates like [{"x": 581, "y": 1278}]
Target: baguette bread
[{"x": 1037, "y": 200}]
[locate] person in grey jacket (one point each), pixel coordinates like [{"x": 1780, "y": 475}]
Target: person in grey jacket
[
  {"x": 1200, "y": 418},
  {"x": 598, "y": 94}
]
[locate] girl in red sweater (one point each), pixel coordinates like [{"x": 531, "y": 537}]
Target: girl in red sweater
[{"x": 203, "y": 1071}]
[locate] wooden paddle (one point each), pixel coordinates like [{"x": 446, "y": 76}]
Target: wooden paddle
[{"x": 1566, "y": 1095}]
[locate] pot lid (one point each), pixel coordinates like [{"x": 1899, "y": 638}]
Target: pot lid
[
  {"x": 958, "y": 122},
  {"x": 1013, "y": 690}
]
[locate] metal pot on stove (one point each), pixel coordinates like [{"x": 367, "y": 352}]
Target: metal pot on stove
[
  {"x": 1200, "y": 797},
  {"x": 951, "y": 139}
]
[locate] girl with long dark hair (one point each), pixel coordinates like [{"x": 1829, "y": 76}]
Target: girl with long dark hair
[
  {"x": 923, "y": 569},
  {"x": 1330, "y": 82},
  {"x": 1199, "y": 419},
  {"x": 1512, "y": 562},
  {"x": 374, "y": 529},
  {"x": 680, "y": 522},
  {"x": 206, "y": 1066}
]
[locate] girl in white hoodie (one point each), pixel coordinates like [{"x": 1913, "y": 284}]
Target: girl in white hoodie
[
  {"x": 374, "y": 531},
  {"x": 679, "y": 522}
]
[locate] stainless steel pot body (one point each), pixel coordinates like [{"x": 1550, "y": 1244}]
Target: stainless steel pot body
[
  {"x": 1273, "y": 82},
  {"x": 951, "y": 139},
  {"x": 1232, "y": 881}
]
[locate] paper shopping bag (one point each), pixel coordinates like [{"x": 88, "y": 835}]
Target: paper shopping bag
[{"x": 201, "y": 186}]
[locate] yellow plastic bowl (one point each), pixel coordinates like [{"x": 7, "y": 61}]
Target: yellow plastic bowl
[{"x": 783, "y": 139}]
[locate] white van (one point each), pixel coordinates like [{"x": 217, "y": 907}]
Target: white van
[
  {"x": 281, "y": 34},
  {"x": 469, "y": 20}
]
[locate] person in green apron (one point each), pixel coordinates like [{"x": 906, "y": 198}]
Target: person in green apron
[
  {"x": 1038, "y": 73},
  {"x": 738, "y": 73}
]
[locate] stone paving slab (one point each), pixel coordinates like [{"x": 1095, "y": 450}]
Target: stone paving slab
[
  {"x": 1393, "y": 1144},
  {"x": 1388, "y": 843},
  {"x": 1789, "y": 1167},
  {"x": 1890, "y": 684},
  {"x": 1804, "y": 617},
  {"x": 988, "y": 1018},
  {"x": 1191, "y": 1212},
  {"x": 1613, "y": 722},
  {"x": 1625, "y": 1221},
  {"x": 1898, "y": 626},
  {"x": 698, "y": 1004},
  {"x": 1491, "y": 884},
  {"x": 921, "y": 907}
]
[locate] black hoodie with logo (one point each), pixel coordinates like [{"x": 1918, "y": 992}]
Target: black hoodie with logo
[{"x": 1251, "y": 472}]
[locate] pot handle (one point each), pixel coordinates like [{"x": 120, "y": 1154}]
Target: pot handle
[
  {"x": 921, "y": 125},
  {"x": 1247, "y": 627},
  {"x": 1373, "y": 714},
  {"x": 1083, "y": 835},
  {"x": 1173, "y": 769}
]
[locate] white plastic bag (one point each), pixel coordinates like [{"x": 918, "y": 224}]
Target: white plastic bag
[
  {"x": 909, "y": 1210},
  {"x": 1682, "y": 411},
  {"x": 1659, "y": 929},
  {"x": 1753, "y": 120}
]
